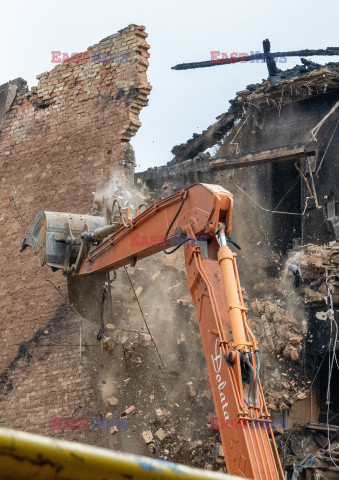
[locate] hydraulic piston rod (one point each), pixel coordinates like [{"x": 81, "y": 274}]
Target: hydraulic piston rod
[{"x": 226, "y": 261}]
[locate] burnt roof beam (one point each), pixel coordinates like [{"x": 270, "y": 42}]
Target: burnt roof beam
[
  {"x": 268, "y": 156},
  {"x": 266, "y": 57}
]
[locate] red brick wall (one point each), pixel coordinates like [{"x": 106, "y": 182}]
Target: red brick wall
[{"x": 59, "y": 143}]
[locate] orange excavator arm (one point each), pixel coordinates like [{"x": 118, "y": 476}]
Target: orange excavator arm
[{"x": 199, "y": 218}]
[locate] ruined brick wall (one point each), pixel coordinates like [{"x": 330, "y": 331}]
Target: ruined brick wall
[{"x": 59, "y": 142}]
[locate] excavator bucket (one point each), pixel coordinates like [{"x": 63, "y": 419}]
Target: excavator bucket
[{"x": 55, "y": 237}]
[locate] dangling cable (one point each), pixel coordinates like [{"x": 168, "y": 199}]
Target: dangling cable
[
  {"x": 330, "y": 364},
  {"x": 144, "y": 318}
]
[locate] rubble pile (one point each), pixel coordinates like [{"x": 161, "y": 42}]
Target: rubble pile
[
  {"x": 278, "y": 329},
  {"x": 280, "y": 321},
  {"x": 324, "y": 465},
  {"x": 281, "y": 340},
  {"x": 308, "y": 456},
  {"x": 301, "y": 81},
  {"x": 314, "y": 265}
]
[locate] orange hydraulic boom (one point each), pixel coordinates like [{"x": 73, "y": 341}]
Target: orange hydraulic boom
[{"x": 199, "y": 218}]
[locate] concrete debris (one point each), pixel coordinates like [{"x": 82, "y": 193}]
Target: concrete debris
[
  {"x": 162, "y": 416},
  {"x": 138, "y": 291},
  {"x": 281, "y": 325},
  {"x": 144, "y": 339},
  {"x": 194, "y": 445},
  {"x": 293, "y": 338},
  {"x": 290, "y": 351},
  {"x": 136, "y": 361},
  {"x": 277, "y": 328},
  {"x": 112, "y": 401},
  {"x": 161, "y": 434},
  {"x": 191, "y": 390},
  {"x": 313, "y": 296},
  {"x": 220, "y": 457},
  {"x": 147, "y": 436},
  {"x": 113, "y": 430},
  {"x": 181, "y": 346},
  {"x": 151, "y": 448},
  {"x": 301, "y": 396},
  {"x": 128, "y": 410},
  {"x": 286, "y": 401},
  {"x": 324, "y": 465},
  {"x": 206, "y": 394},
  {"x": 106, "y": 344},
  {"x": 316, "y": 263},
  {"x": 186, "y": 301},
  {"x": 155, "y": 275}
]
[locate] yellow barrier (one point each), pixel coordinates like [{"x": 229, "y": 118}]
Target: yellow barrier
[{"x": 24, "y": 456}]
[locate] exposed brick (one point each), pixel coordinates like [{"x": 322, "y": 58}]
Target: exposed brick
[{"x": 59, "y": 142}]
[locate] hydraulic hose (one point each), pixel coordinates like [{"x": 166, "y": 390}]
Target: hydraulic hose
[
  {"x": 255, "y": 390},
  {"x": 187, "y": 239},
  {"x": 250, "y": 366}
]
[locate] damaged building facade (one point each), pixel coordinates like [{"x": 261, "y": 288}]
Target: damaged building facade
[
  {"x": 276, "y": 151},
  {"x": 59, "y": 142}
]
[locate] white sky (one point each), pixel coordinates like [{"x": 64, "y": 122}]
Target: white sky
[{"x": 181, "y": 102}]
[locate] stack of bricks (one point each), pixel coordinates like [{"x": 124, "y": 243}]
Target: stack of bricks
[{"x": 59, "y": 142}]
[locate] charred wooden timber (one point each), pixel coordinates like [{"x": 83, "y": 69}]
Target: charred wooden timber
[
  {"x": 270, "y": 62},
  {"x": 265, "y": 57},
  {"x": 273, "y": 155}
]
